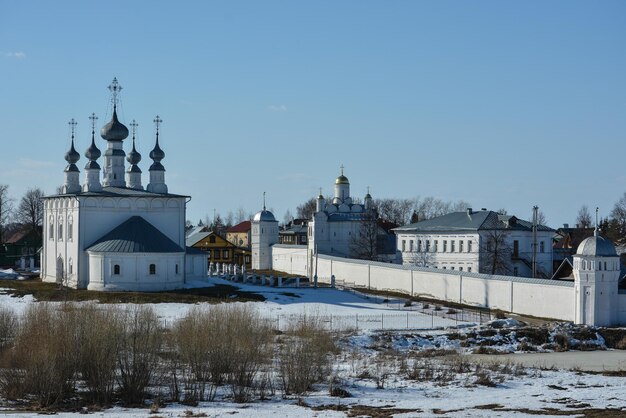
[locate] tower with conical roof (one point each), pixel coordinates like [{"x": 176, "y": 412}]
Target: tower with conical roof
[
  {"x": 72, "y": 181},
  {"x": 133, "y": 174},
  {"x": 596, "y": 281},
  {"x": 114, "y": 133},
  {"x": 92, "y": 169},
  {"x": 157, "y": 171}
]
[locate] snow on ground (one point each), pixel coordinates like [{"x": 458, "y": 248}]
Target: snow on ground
[{"x": 519, "y": 394}]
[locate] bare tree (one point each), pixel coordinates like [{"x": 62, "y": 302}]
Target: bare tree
[
  {"x": 364, "y": 245},
  {"x": 30, "y": 209},
  {"x": 307, "y": 209},
  {"x": 502, "y": 211},
  {"x": 421, "y": 258},
  {"x": 288, "y": 217},
  {"x": 618, "y": 219},
  {"x": 495, "y": 253},
  {"x": 6, "y": 209},
  {"x": 230, "y": 216},
  {"x": 583, "y": 220},
  {"x": 240, "y": 216},
  {"x": 541, "y": 218},
  {"x": 397, "y": 211}
]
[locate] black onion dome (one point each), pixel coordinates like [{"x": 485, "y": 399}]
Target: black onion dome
[
  {"x": 157, "y": 153},
  {"x": 72, "y": 156},
  {"x": 93, "y": 153},
  {"x": 133, "y": 156},
  {"x": 114, "y": 130}
]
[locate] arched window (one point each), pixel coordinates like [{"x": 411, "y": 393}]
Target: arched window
[
  {"x": 51, "y": 231},
  {"x": 116, "y": 269},
  {"x": 60, "y": 232},
  {"x": 152, "y": 268}
]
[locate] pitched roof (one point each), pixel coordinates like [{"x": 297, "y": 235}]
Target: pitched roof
[
  {"x": 135, "y": 235},
  {"x": 244, "y": 226},
  {"x": 469, "y": 221},
  {"x": 194, "y": 238}
]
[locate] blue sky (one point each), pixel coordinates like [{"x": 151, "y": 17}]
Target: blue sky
[{"x": 501, "y": 104}]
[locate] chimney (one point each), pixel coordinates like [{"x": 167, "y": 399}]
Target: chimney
[
  {"x": 565, "y": 225},
  {"x": 483, "y": 208},
  {"x": 469, "y": 211}
]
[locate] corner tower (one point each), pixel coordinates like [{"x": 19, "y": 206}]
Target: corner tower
[
  {"x": 264, "y": 235},
  {"x": 596, "y": 280}
]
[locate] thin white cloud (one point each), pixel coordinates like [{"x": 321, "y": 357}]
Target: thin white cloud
[
  {"x": 17, "y": 55},
  {"x": 277, "y": 108}
]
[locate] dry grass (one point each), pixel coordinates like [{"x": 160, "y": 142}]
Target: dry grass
[{"x": 51, "y": 292}]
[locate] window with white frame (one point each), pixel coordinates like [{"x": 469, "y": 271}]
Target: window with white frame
[
  {"x": 436, "y": 246},
  {"x": 452, "y": 246},
  {"x": 427, "y": 245},
  {"x": 419, "y": 245},
  {"x": 542, "y": 247},
  {"x": 403, "y": 245},
  {"x": 461, "y": 246},
  {"x": 445, "y": 245},
  {"x": 469, "y": 246}
]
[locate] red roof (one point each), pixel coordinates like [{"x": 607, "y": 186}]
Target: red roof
[{"x": 240, "y": 227}]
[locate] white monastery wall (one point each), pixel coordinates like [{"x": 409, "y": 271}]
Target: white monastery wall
[
  {"x": 535, "y": 297},
  {"x": 291, "y": 259}
]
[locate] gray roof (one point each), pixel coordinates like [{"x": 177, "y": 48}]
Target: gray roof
[
  {"x": 120, "y": 192},
  {"x": 596, "y": 246},
  {"x": 135, "y": 235},
  {"x": 265, "y": 216},
  {"x": 193, "y": 239},
  {"x": 470, "y": 221}
]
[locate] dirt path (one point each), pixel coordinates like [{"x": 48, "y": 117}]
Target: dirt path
[{"x": 590, "y": 361}]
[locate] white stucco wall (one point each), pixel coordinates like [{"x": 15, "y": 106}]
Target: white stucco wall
[
  {"x": 134, "y": 271},
  {"x": 534, "y": 297},
  {"x": 290, "y": 259},
  {"x": 196, "y": 267}
]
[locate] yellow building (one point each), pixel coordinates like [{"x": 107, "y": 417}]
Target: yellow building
[
  {"x": 219, "y": 250},
  {"x": 240, "y": 234}
]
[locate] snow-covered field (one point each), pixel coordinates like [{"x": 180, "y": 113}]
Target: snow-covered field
[{"x": 385, "y": 374}]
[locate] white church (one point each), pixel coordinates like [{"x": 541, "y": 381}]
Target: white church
[{"x": 111, "y": 234}]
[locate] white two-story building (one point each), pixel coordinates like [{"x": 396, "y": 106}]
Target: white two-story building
[{"x": 478, "y": 241}]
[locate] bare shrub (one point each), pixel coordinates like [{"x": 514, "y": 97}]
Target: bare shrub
[
  {"x": 562, "y": 342},
  {"x": 303, "y": 355},
  {"x": 621, "y": 344},
  {"x": 99, "y": 335},
  {"x": 499, "y": 314},
  {"x": 483, "y": 379},
  {"x": 8, "y": 328},
  {"x": 138, "y": 352},
  {"x": 535, "y": 335},
  {"x": 44, "y": 354},
  {"x": 251, "y": 337}
]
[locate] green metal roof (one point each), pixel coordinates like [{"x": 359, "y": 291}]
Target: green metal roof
[{"x": 135, "y": 235}]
